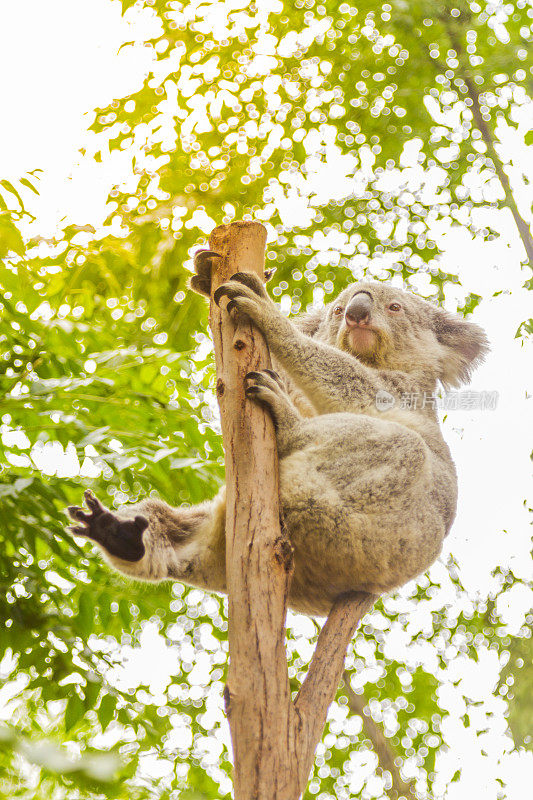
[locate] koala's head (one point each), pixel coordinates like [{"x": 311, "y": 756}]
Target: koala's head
[{"x": 388, "y": 328}]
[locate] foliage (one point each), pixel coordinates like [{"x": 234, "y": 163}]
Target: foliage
[
  {"x": 261, "y": 114},
  {"x": 360, "y": 124},
  {"x": 89, "y": 379}
]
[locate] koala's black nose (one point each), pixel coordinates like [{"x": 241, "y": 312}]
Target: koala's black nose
[{"x": 358, "y": 310}]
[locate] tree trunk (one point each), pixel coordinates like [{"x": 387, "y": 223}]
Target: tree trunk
[
  {"x": 273, "y": 738},
  {"x": 258, "y": 556}
]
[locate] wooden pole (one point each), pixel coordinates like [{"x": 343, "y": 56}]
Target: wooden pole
[{"x": 273, "y": 738}]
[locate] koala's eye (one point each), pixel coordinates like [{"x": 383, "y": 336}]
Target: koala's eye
[
  {"x": 395, "y": 307},
  {"x": 338, "y": 310}
]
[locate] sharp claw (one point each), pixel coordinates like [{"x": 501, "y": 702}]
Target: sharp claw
[
  {"x": 231, "y": 305},
  {"x": 218, "y": 294},
  {"x": 275, "y": 377},
  {"x": 78, "y": 513},
  {"x": 92, "y": 502},
  {"x": 200, "y": 285},
  {"x": 78, "y": 530},
  {"x": 252, "y": 376},
  {"x": 250, "y": 280},
  {"x": 202, "y": 254},
  {"x": 202, "y": 262},
  {"x": 246, "y": 278}
]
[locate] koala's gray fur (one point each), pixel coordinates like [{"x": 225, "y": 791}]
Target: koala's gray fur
[{"x": 367, "y": 495}]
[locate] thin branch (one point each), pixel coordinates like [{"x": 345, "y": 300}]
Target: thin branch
[
  {"x": 325, "y": 670},
  {"x": 521, "y": 224},
  {"x": 382, "y": 746},
  {"x": 487, "y": 136}
]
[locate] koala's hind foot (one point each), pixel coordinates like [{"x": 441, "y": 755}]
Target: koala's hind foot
[
  {"x": 121, "y": 538},
  {"x": 267, "y": 387}
]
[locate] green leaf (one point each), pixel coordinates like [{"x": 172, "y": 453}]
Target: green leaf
[
  {"x": 73, "y": 712},
  {"x": 26, "y": 182},
  {"x": 10, "y": 188},
  {"x": 10, "y": 238},
  {"x": 86, "y": 612},
  {"x": 104, "y": 609},
  {"x": 124, "y": 611},
  {"x": 91, "y": 692},
  {"x": 106, "y": 710}
]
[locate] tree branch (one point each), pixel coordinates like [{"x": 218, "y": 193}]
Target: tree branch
[
  {"x": 325, "y": 670},
  {"x": 380, "y": 743},
  {"x": 488, "y": 137},
  {"x": 521, "y": 224}
]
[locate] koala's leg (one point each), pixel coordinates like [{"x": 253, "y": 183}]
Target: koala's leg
[
  {"x": 152, "y": 541},
  {"x": 333, "y": 380},
  {"x": 267, "y": 387}
]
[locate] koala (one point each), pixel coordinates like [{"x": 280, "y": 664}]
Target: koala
[{"x": 368, "y": 487}]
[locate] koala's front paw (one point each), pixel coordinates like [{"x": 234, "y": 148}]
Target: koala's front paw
[
  {"x": 268, "y": 388},
  {"x": 203, "y": 262},
  {"x": 265, "y": 386},
  {"x": 121, "y": 538},
  {"x": 267, "y": 378},
  {"x": 246, "y": 293}
]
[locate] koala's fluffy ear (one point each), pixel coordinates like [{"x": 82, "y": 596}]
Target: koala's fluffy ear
[
  {"x": 464, "y": 343},
  {"x": 310, "y": 322}
]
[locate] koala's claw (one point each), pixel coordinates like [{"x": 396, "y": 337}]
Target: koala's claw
[
  {"x": 77, "y": 513},
  {"x": 259, "y": 377},
  {"x": 203, "y": 263},
  {"x": 251, "y": 280},
  {"x": 237, "y": 285},
  {"x": 275, "y": 376},
  {"x": 121, "y": 538},
  {"x": 201, "y": 282},
  {"x": 265, "y": 384},
  {"x": 93, "y": 502},
  {"x": 227, "y": 289}
]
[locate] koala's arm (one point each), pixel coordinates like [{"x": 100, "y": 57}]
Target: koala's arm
[
  {"x": 153, "y": 541},
  {"x": 333, "y": 380}
]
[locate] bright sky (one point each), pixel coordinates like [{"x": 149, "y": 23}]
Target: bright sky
[{"x": 59, "y": 60}]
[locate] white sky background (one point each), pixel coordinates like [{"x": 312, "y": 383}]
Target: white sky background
[{"x": 59, "y": 59}]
